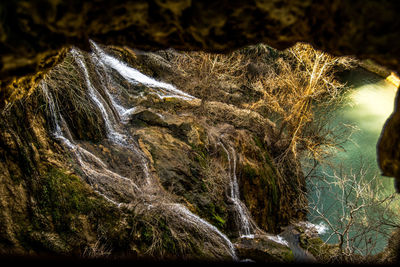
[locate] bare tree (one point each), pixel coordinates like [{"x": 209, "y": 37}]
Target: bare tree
[
  {"x": 297, "y": 83},
  {"x": 359, "y": 213}
]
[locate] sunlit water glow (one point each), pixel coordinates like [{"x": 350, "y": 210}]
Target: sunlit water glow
[{"x": 371, "y": 105}]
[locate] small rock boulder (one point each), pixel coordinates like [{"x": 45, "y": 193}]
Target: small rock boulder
[{"x": 263, "y": 248}]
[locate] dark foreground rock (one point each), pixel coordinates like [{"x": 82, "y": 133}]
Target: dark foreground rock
[{"x": 264, "y": 248}]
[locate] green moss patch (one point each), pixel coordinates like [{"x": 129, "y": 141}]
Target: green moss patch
[
  {"x": 62, "y": 196},
  {"x": 215, "y": 214}
]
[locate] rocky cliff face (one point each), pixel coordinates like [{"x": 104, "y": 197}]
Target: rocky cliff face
[{"x": 111, "y": 155}]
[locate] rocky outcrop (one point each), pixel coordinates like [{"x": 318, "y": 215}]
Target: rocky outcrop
[
  {"x": 297, "y": 243},
  {"x": 388, "y": 147},
  {"x": 45, "y": 205},
  {"x": 117, "y": 167}
]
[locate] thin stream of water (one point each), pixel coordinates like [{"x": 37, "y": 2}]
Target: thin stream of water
[
  {"x": 243, "y": 216},
  {"x": 135, "y": 76}
]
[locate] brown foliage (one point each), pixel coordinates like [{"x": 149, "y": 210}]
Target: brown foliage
[
  {"x": 293, "y": 88},
  {"x": 291, "y": 84},
  {"x": 209, "y": 72}
]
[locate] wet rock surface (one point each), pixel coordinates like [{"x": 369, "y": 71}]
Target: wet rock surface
[{"x": 263, "y": 249}]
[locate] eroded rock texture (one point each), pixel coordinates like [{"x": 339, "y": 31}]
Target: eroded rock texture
[{"x": 389, "y": 146}]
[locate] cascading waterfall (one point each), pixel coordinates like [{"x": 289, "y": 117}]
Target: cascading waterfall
[
  {"x": 115, "y": 136},
  {"x": 246, "y": 227},
  {"x": 112, "y": 134},
  {"x": 94, "y": 168},
  {"x": 118, "y": 189},
  {"x": 105, "y": 78}
]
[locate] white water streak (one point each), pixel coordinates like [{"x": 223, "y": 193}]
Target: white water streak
[
  {"x": 278, "y": 239},
  {"x": 243, "y": 214},
  {"x": 194, "y": 219},
  {"x": 122, "y": 111},
  {"x": 136, "y": 76},
  {"x": 112, "y": 134},
  {"x": 80, "y": 152}
]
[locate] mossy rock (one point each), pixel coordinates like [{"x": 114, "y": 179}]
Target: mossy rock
[
  {"x": 216, "y": 214},
  {"x": 67, "y": 215},
  {"x": 61, "y": 194}
]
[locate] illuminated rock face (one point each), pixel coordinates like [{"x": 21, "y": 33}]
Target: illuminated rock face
[{"x": 34, "y": 33}]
